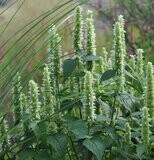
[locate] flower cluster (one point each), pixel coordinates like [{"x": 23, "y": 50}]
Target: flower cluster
[
  {"x": 55, "y": 62},
  {"x": 90, "y": 44},
  {"x": 89, "y": 105},
  {"x": 48, "y": 99},
  {"x": 140, "y": 63},
  {"x": 127, "y": 133},
  {"x": 34, "y": 103},
  {"x": 119, "y": 52},
  {"x": 54, "y": 57},
  {"x": 145, "y": 126},
  {"x": 78, "y": 35},
  {"x": 149, "y": 99}
]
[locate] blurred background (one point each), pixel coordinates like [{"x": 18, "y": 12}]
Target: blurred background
[{"x": 138, "y": 14}]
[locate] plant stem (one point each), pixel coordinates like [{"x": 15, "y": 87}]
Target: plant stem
[
  {"x": 78, "y": 81},
  {"x": 76, "y": 155}
]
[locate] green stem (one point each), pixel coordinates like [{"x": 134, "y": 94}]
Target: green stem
[
  {"x": 69, "y": 154},
  {"x": 78, "y": 81},
  {"x": 73, "y": 148}
]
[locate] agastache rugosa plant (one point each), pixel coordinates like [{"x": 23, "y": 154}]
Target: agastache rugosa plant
[
  {"x": 119, "y": 52},
  {"x": 127, "y": 133},
  {"x": 122, "y": 25},
  {"x": 77, "y": 41},
  {"x": 89, "y": 95},
  {"x": 48, "y": 99},
  {"x": 78, "y": 35},
  {"x": 132, "y": 62},
  {"x": 54, "y": 62},
  {"x": 90, "y": 40},
  {"x": 54, "y": 56},
  {"x": 99, "y": 96},
  {"x": 145, "y": 126},
  {"x": 149, "y": 99},
  {"x": 103, "y": 63},
  {"x": 140, "y": 63},
  {"x": 34, "y": 104}
]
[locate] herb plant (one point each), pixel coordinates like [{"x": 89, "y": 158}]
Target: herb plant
[{"x": 86, "y": 107}]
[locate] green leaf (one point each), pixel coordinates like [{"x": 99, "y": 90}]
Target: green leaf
[
  {"x": 27, "y": 154},
  {"x": 108, "y": 74},
  {"x": 43, "y": 155},
  {"x": 141, "y": 149},
  {"x": 68, "y": 105},
  {"x": 30, "y": 154},
  {"x": 112, "y": 133},
  {"x": 90, "y": 58},
  {"x": 59, "y": 143},
  {"x": 40, "y": 130},
  {"x": 129, "y": 75},
  {"x": 101, "y": 118},
  {"x": 79, "y": 128},
  {"x": 127, "y": 100},
  {"x": 96, "y": 145},
  {"x": 69, "y": 66}
]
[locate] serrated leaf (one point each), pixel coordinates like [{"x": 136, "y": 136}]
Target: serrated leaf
[
  {"x": 69, "y": 66},
  {"x": 108, "y": 74},
  {"x": 96, "y": 145},
  {"x": 141, "y": 149},
  {"x": 79, "y": 128},
  {"x": 59, "y": 143},
  {"x": 127, "y": 100}
]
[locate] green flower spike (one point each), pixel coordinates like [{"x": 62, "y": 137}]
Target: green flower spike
[
  {"x": 132, "y": 62},
  {"x": 54, "y": 57},
  {"x": 48, "y": 98},
  {"x": 145, "y": 126},
  {"x": 78, "y": 35},
  {"x": 103, "y": 63},
  {"x": 122, "y": 23},
  {"x": 90, "y": 45},
  {"x": 89, "y": 105},
  {"x": 34, "y": 100},
  {"x": 140, "y": 63},
  {"x": 119, "y": 53},
  {"x": 150, "y": 91},
  {"x": 47, "y": 92},
  {"x": 127, "y": 133},
  {"x": 72, "y": 84},
  {"x": 55, "y": 63}
]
